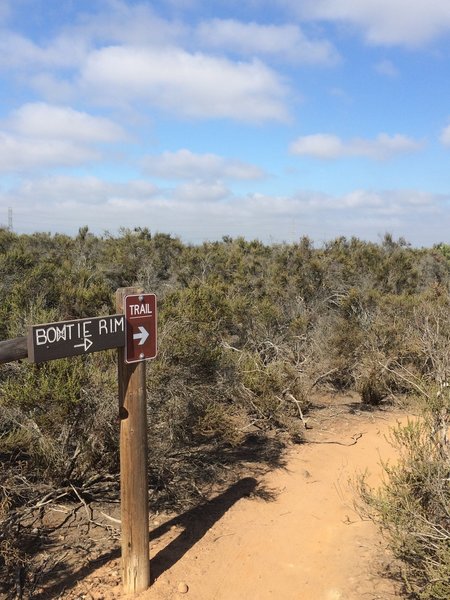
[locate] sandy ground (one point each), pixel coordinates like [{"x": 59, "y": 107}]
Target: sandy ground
[{"x": 291, "y": 535}]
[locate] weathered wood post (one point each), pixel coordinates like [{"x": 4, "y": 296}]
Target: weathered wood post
[
  {"x": 13, "y": 350},
  {"x": 133, "y": 467}
]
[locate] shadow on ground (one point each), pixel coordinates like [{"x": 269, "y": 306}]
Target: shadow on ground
[{"x": 195, "y": 522}]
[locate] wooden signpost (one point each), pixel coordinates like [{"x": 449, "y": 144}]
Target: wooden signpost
[
  {"x": 133, "y": 456},
  {"x": 133, "y": 331}
]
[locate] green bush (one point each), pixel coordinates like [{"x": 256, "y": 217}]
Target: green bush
[
  {"x": 413, "y": 504},
  {"x": 413, "y": 509}
]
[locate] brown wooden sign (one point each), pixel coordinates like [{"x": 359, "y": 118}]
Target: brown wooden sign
[
  {"x": 74, "y": 338},
  {"x": 140, "y": 314}
]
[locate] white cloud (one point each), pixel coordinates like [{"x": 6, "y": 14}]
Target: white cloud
[
  {"x": 18, "y": 154},
  {"x": 126, "y": 53},
  {"x": 130, "y": 24},
  {"x": 319, "y": 145},
  {"x": 47, "y": 121},
  {"x": 43, "y": 136},
  {"x": 191, "y": 85},
  {"x": 386, "y": 68},
  {"x": 389, "y": 203},
  {"x": 198, "y": 211},
  {"x": 17, "y": 51},
  {"x": 327, "y": 146},
  {"x": 445, "y": 136},
  {"x": 118, "y": 23},
  {"x": 52, "y": 87},
  {"x": 386, "y": 22},
  {"x": 191, "y": 193},
  {"x": 65, "y": 190},
  {"x": 253, "y": 39},
  {"x": 185, "y": 164}
]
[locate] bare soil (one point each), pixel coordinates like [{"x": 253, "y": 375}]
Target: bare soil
[{"x": 290, "y": 534}]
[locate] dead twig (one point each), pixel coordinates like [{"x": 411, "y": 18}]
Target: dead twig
[
  {"x": 298, "y": 404},
  {"x": 118, "y": 521},
  {"x": 355, "y": 438}
]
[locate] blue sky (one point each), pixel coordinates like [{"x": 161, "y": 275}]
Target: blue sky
[{"x": 267, "y": 119}]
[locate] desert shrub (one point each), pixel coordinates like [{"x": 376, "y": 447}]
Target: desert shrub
[
  {"x": 413, "y": 505},
  {"x": 443, "y": 249},
  {"x": 58, "y": 429},
  {"x": 60, "y": 417},
  {"x": 413, "y": 509},
  {"x": 371, "y": 388}
]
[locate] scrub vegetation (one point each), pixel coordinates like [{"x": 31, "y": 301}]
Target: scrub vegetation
[{"x": 249, "y": 334}]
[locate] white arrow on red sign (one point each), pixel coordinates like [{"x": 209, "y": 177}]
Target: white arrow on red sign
[
  {"x": 140, "y": 327},
  {"x": 142, "y": 336}
]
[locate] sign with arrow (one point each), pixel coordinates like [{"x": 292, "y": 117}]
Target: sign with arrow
[
  {"x": 73, "y": 338},
  {"x": 141, "y": 330}
]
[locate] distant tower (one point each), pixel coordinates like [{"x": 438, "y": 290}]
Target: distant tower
[{"x": 10, "y": 220}]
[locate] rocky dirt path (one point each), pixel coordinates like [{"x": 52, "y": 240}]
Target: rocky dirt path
[
  {"x": 305, "y": 542},
  {"x": 293, "y": 534}
]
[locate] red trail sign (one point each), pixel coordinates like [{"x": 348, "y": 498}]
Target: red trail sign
[{"x": 141, "y": 331}]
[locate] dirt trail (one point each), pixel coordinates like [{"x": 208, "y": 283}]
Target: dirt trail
[
  {"x": 306, "y": 544},
  {"x": 291, "y": 535}
]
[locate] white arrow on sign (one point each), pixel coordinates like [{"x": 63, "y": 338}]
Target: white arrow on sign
[
  {"x": 86, "y": 344},
  {"x": 143, "y": 335}
]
